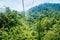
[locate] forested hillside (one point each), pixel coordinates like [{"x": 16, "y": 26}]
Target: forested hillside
[
  {"x": 44, "y": 6},
  {"x": 40, "y": 23}
]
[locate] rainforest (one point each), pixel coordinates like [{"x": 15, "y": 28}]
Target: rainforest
[{"x": 41, "y": 22}]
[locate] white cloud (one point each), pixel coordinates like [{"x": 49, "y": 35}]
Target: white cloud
[{"x": 54, "y": 1}]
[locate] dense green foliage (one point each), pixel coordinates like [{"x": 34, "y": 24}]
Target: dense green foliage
[{"x": 43, "y": 25}]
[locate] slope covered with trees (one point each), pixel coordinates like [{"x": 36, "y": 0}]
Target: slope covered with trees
[{"x": 43, "y": 24}]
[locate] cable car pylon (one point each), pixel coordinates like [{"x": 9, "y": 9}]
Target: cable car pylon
[{"x": 23, "y": 8}]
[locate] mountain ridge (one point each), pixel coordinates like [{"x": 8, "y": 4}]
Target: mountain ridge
[{"x": 44, "y": 6}]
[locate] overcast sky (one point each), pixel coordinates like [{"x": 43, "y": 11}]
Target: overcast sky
[{"x": 17, "y": 4}]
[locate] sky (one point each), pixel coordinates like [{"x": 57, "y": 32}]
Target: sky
[{"x": 17, "y": 4}]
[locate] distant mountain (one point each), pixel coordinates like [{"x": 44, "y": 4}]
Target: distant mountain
[
  {"x": 45, "y": 6},
  {"x": 45, "y": 9},
  {"x": 2, "y": 9}
]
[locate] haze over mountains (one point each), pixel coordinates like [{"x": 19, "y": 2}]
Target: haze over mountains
[{"x": 40, "y": 7}]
